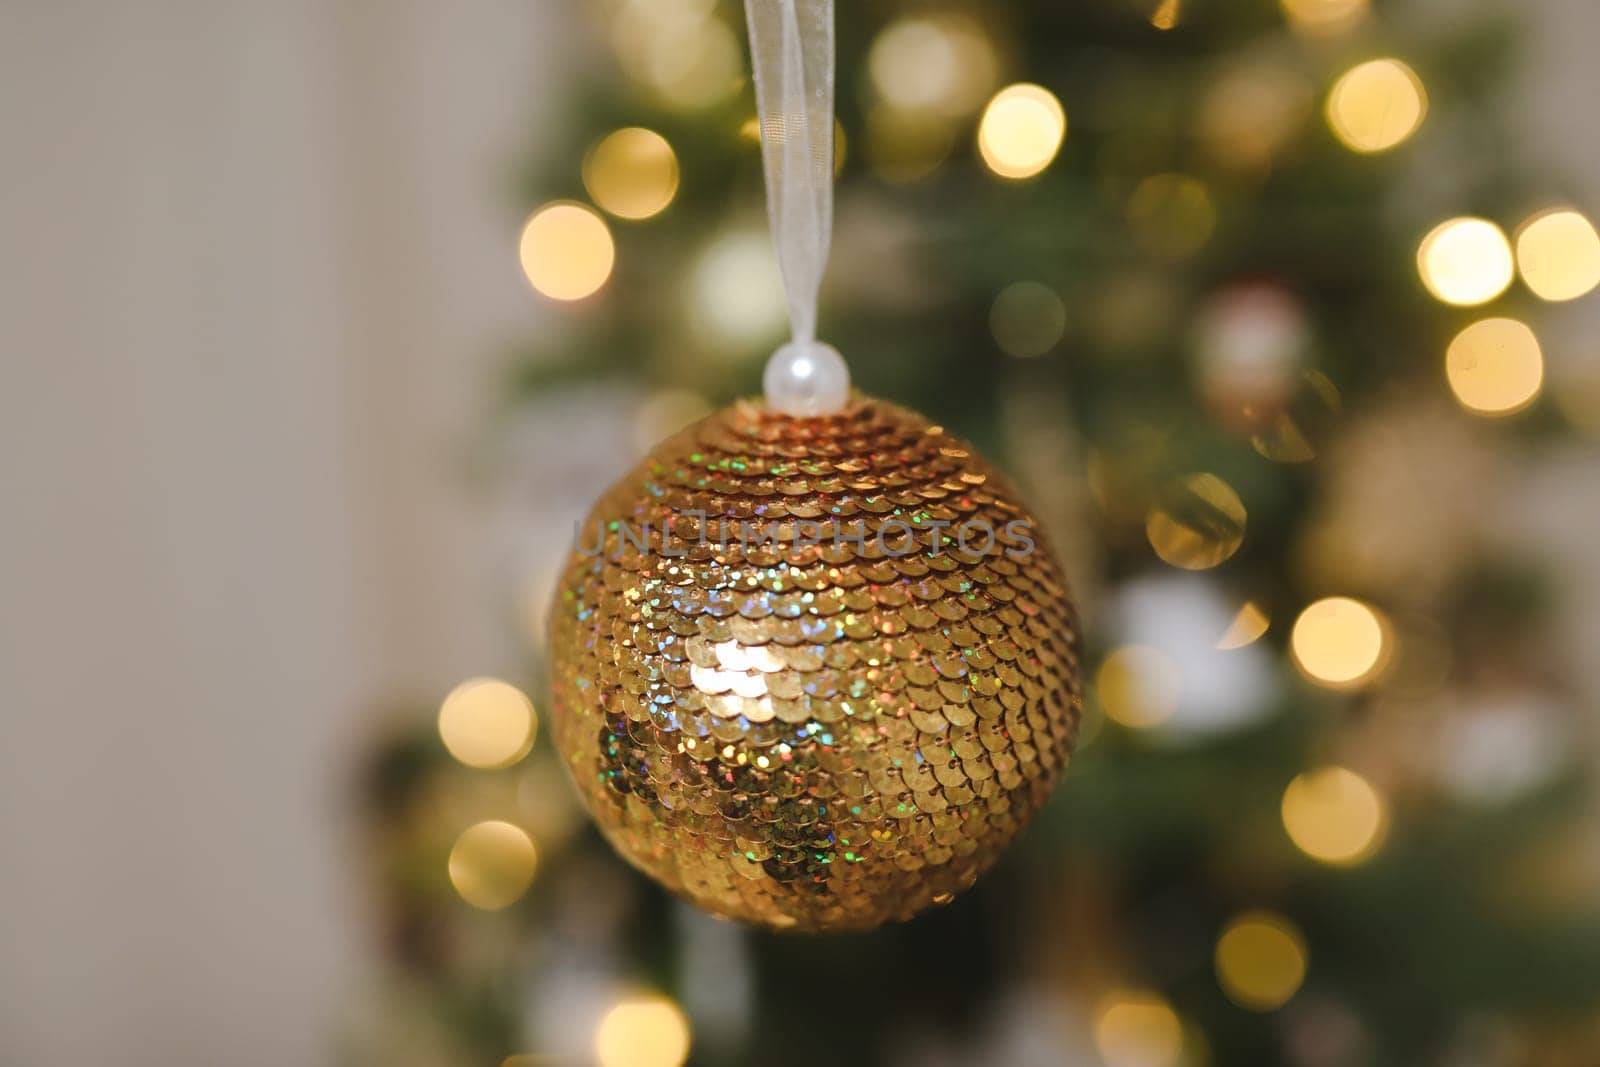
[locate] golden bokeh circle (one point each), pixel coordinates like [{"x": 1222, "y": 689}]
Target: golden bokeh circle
[
  {"x": 1021, "y": 131},
  {"x": 1558, "y": 253},
  {"x": 1138, "y": 686},
  {"x": 1172, "y": 215},
  {"x": 1199, "y": 525},
  {"x": 566, "y": 250},
  {"x": 1339, "y": 642},
  {"x": 632, "y": 173},
  {"x": 1376, "y": 105},
  {"x": 1323, "y": 17},
  {"x": 1466, "y": 261},
  {"x": 1260, "y": 961},
  {"x": 1027, "y": 319},
  {"x": 1134, "y": 1028},
  {"x": 487, "y": 723},
  {"x": 647, "y": 1030},
  {"x": 1335, "y": 816},
  {"x": 492, "y": 864},
  {"x": 1495, "y": 367}
]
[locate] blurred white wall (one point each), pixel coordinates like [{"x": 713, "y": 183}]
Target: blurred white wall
[{"x": 258, "y": 260}]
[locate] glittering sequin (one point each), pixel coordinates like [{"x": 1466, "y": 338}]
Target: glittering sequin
[{"x": 813, "y": 673}]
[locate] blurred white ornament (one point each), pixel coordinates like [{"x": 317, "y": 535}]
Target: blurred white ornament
[
  {"x": 806, "y": 379},
  {"x": 1251, "y": 345},
  {"x": 1502, "y": 748},
  {"x": 736, "y": 291},
  {"x": 1179, "y": 617}
]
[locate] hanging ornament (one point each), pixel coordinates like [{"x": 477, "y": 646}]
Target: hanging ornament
[{"x": 813, "y": 665}]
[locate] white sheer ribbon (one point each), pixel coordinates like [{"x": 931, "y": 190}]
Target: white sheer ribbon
[{"x": 792, "y": 50}]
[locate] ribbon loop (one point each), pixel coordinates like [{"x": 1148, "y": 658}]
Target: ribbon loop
[{"x": 792, "y": 53}]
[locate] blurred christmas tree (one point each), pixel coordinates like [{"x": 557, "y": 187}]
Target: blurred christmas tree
[{"x": 1219, "y": 283}]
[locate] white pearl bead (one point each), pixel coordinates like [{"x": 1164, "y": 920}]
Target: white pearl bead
[{"x": 807, "y": 379}]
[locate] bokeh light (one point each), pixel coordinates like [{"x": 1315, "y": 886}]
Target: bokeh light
[
  {"x": 1558, "y": 253},
  {"x": 1165, "y": 16},
  {"x": 487, "y": 723},
  {"x": 942, "y": 63},
  {"x": 1495, "y": 367},
  {"x": 1249, "y": 625},
  {"x": 690, "y": 59},
  {"x": 1377, "y": 105},
  {"x": 1021, "y": 131},
  {"x": 737, "y": 290},
  {"x": 648, "y": 1030},
  {"x": 492, "y": 864},
  {"x": 1324, "y": 16},
  {"x": 567, "y": 252},
  {"x": 1335, "y": 816},
  {"x": 906, "y": 146},
  {"x": 1465, "y": 261},
  {"x": 632, "y": 173},
  {"x": 1339, "y": 642},
  {"x": 1260, "y": 961},
  {"x": 1027, "y": 319},
  {"x": 1137, "y": 1029},
  {"x": 1198, "y": 525},
  {"x": 1293, "y": 433},
  {"x": 1172, "y": 215},
  {"x": 1139, "y": 687}
]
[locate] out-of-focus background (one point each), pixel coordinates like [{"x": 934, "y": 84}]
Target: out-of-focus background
[{"x": 295, "y": 416}]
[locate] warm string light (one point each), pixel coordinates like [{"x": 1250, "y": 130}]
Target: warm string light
[
  {"x": 1377, "y": 105},
  {"x": 648, "y": 1030},
  {"x": 1465, "y": 261},
  {"x": 1260, "y": 961},
  {"x": 632, "y": 173},
  {"x": 1558, "y": 254},
  {"x": 1027, "y": 319},
  {"x": 567, "y": 252},
  {"x": 1339, "y": 642},
  {"x": 487, "y": 723},
  {"x": 1335, "y": 816},
  {"x": 492, "y": 864},
  {"x": 1135, "y": 1028},
  {"x": 1021, "y": 131},
  {"x": 1139, "y": 687},
  {"x": 1324, "y": 17},
  {"x": 1495, "y": 367}
]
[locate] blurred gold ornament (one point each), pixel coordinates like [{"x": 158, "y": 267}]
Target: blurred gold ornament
[
  {"x": 1198, "y": 525},
  {"x": 1261, "y": 961},
  {"x": 567, "y": 252},
  {"x": 1377, "y": 105},
  {"x": 1466, "y": 261},
  {"x": 1249, "y": 624},
  {"x": 1021, "y": 131},
  {"x": 1335, "y": 816},
  {"x": 796, "y": 680},
  {"x": 632, "y": 173},
  {"x": 1495, "y": 367},
  {"x": 492, "y": 864},
  {"x": 1558, "y": 253},
  {"x": 487, "y": 723}
]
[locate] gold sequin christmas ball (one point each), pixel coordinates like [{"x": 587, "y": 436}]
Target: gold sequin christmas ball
[{"x": 813, "y": 673}]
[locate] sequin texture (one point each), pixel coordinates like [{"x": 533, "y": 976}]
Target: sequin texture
[{"x": 813, "y": 674}]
